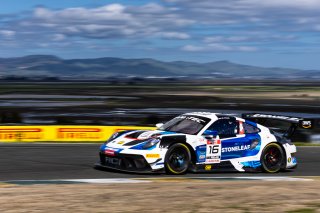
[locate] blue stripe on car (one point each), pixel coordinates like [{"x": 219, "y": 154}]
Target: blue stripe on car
[
  {"x": 228, "y": 144},
  {"x": 141, "y": 145},
  {"x": 251, "y": 164},
  {"x": 105, "y": 147}
]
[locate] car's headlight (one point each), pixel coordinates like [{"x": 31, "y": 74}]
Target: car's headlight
[{"x": 152, "y": 142}]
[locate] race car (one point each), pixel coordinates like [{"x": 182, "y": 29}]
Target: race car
[{"x": 203, "y": 141}]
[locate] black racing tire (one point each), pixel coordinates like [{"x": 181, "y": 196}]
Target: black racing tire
[
  {"x": 177, "y": 159},
  {"x": 272, "y": 158}
]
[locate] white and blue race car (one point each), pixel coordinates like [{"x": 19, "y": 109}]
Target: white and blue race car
[{"x": 203, "y": 141}]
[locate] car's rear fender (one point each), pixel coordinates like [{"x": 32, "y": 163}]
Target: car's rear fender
[
  {"x": 284, "y": 163},
  {"x": 290, "y": 150}
]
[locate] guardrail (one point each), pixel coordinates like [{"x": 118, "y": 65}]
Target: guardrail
[{"x": 61, "y": 133}]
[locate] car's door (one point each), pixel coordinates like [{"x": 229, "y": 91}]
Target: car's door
[{"x": 235, "y": 142}]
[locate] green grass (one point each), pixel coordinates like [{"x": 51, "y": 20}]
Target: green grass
[
  {"x": 302, "y": 211},
  {"x": 306, "y": 144}
]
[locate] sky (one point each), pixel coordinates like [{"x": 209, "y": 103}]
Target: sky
[{"x": 272, "y": 33}]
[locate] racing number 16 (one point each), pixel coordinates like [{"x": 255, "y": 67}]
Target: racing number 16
[{"x": 214, "y": 149}]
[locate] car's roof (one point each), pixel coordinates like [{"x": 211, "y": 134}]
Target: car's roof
[{"x": 211, "y": 115}]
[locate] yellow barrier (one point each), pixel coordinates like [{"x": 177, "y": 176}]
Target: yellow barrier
[{"x": 61, "y": 133}]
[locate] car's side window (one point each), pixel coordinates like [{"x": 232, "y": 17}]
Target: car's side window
[
  {"x": 226, "y": 128},
  {"x": 249, "y": 129}
]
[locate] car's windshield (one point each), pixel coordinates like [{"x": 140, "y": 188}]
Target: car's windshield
[{"x": 186, "y": 124}]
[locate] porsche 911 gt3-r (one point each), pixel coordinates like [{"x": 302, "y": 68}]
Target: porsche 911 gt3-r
[{"x": 203, "y": 141}]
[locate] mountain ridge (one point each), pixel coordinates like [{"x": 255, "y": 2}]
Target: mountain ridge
[{"x": 104, "y": 67}]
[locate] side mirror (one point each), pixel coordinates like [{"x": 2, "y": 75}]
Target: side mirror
[
  {"x": 158, "y": 125},
  {"x": 210, "y": 134}
]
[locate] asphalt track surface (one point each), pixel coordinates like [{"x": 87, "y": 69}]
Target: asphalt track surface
[{"x": 75, "y": 161}]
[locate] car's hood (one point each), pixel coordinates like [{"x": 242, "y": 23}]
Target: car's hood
[
  {"x": 141, "y": 135},
  {"x": 136, "y": 138}
]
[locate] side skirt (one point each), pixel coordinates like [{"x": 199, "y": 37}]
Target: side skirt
[{"x": 225, "y": 166}]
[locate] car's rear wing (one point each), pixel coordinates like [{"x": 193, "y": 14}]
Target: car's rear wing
[{"x": 296, "y": 122}]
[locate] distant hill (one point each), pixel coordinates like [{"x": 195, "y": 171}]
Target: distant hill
[{"x": 100, "y": 68}]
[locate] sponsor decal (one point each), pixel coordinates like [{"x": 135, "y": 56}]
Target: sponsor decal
[
  {"x": 275, "y": 117},
  {"x": 60, "y": 133},
  {"x": 202, "y": 157},
  {"x": 236, "y": 148},
  {"x": 202, "y": 113},
  {"x": 21, "y": 134},
  {"x": 294, "y": 160},
  {"x": 254, "y": 143},
  {"x": 201, "y": 153},
  {"x": 198, "y": 120},
  {"x": 289, "y": 160},
  {"x": 146, "y": 134},
  {"x": 114, "y": 161},
  {"x": 79, "y": 133},
  {"x": 213, "y": 159},
  {"x": 207, "y": 167},
  {"x": 153, "y": 155},
  {"x": 306, "y": 124},
  {"x": 109, "y": 152},
  {"x": 215, "y": 141},
  {"x": 226, "y": 118},
  {"x": 120, "y": 142}
]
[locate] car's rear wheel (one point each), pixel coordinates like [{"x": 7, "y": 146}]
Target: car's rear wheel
[
  {"x": 272, "y": 158},
  {"x": 177, "y": 159}
]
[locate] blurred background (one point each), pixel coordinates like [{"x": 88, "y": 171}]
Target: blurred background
[
  {"x": 107, "y": 62},
  {"x": 145, "y": 102}
]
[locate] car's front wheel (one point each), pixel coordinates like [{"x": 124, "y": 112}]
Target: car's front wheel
[
  {"x": 177, "y": 159},
  {"x": 272, "y": 158}
]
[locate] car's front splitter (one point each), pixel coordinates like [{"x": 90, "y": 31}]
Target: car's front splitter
[{"x": 125, "y": 162}]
